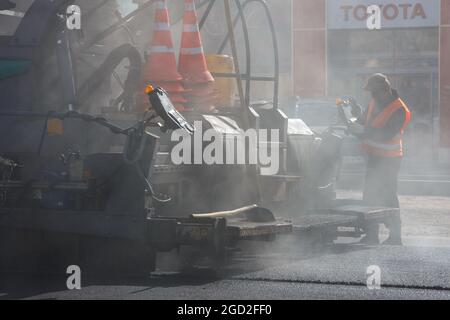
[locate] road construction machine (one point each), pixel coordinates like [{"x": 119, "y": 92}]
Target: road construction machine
[{"x": 88, "y": 179}]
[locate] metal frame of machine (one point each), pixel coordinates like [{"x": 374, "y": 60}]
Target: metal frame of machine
[
  {"x": 132, "y": 227},
  {"x": 137, "y": 223}
]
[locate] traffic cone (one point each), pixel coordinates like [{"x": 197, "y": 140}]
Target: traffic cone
[
  {"x": 192, "y": 62},
  {"x": 160, "y": 69}
]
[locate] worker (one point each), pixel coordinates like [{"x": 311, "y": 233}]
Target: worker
[{"x": 380, "y": 128}]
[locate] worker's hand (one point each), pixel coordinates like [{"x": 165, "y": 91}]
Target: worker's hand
[{"x": 356, "y": 129}]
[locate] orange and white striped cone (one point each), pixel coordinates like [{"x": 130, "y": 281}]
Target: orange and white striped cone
[
  {"x": 160, "y": 68},
  {"x": 192, "y": 61},
  {"x": 161, "y": 63}
]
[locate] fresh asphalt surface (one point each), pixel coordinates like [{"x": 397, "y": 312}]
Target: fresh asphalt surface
[
  {"x": 337, "y": 272},
  {"x": 285, "y": 270}
]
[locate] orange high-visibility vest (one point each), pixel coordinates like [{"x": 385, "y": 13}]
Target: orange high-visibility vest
[{"x": 393, "y": 147}]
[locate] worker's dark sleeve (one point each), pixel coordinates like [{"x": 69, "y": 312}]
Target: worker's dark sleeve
[{"x": 389, "y": 130}]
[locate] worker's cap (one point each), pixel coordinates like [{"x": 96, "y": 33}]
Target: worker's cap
[{"x": 376, "y": 82}]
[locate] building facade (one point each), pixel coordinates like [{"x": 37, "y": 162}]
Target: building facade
[{"x": 334, "y": 52}]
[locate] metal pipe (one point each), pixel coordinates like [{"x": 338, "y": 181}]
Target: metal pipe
[
  {"x": 243, "y": 76},
  {"x": 275, "y": 46},
  {"x": 241, "y": 16},
  {"x": 234, "y": 49},
  {"x": 274, "y": 42},
  {"x": 247, "y": 49},
  {"x": 206, "y": 13},
  {"x": 65, "y": 69}
]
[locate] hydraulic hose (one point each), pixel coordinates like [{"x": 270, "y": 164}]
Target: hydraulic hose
[{"x": 125, "y": 100}]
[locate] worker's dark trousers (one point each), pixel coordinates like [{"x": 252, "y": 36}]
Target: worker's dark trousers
[{"x": 380, "y": 188}]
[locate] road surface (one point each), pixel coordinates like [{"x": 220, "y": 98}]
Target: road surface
[{"x": 285, "y": 270}]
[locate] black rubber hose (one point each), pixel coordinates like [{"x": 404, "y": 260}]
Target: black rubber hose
[{"x": 125, "y": 51}]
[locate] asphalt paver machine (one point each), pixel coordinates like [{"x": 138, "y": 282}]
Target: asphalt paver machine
[{"x": 87, "y": 180}]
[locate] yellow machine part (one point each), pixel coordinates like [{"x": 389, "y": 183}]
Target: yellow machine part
[
  {"x": 226, "y": 87},
  {"x": 55, "y": 127}
]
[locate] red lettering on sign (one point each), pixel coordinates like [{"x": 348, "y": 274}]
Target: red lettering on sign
[
  {"x": 360, "y": 12},
  {"x": 405, "y": 8},
  {"x": 347, "y": 12},
  {"x": 418, "y": 11},
  {"x": 391, "y": 11},
  {"x": 390, "y": 15}
]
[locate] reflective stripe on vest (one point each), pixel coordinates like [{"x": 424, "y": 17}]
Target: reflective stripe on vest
[{"x": 393, "y": 147}]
